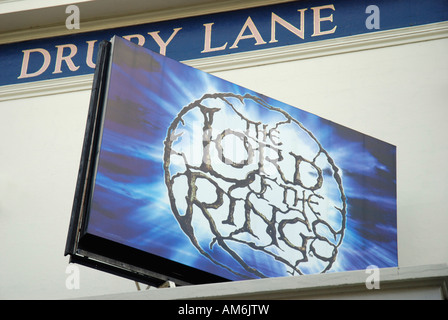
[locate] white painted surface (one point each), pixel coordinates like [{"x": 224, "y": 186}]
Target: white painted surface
[
  {"x": 41, "y": 140},
  {"x": 397, "y": 94},
  {"x": 409, "y": 283}
]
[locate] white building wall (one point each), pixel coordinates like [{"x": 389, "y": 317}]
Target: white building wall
[
  {"x": 41, "y": 141},
  {"x": 395, "y": 93}
]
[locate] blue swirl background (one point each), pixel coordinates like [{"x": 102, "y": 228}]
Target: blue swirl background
[{"x": 130, "y": 204}]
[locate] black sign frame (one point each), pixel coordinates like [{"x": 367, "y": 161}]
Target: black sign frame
[{"x": 103, "y": 254}]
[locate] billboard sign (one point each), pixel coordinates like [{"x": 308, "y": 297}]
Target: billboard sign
[{"x": 191, "y": 178}]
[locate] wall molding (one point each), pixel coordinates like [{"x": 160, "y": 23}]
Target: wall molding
[
  {"x": 411, "y": 282},
  {"x": 369, "y": 41},
  {"x": 46, "y": 87}
]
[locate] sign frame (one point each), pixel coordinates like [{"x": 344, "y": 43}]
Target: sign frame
[
  {"x": 103, "y": 254},
  {"x": 136, "y": 128}
]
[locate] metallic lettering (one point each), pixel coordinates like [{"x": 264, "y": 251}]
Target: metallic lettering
[
  {"x": 162, "y": 44},
  {"x": 254, "y": 34},
  {"x": 89, "y": 57},
  {"x": 26, "y": 58},
  {"x": 318, "y": 19},
  {"x": 140, "y": 38},
  {"x": 66, "y": 59},
  {"x": 208, "y": 40},
  {"x": 298, "y": 32}
]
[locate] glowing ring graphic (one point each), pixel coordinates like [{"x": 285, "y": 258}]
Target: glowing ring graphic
[{"x": 254, "y": 191}]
